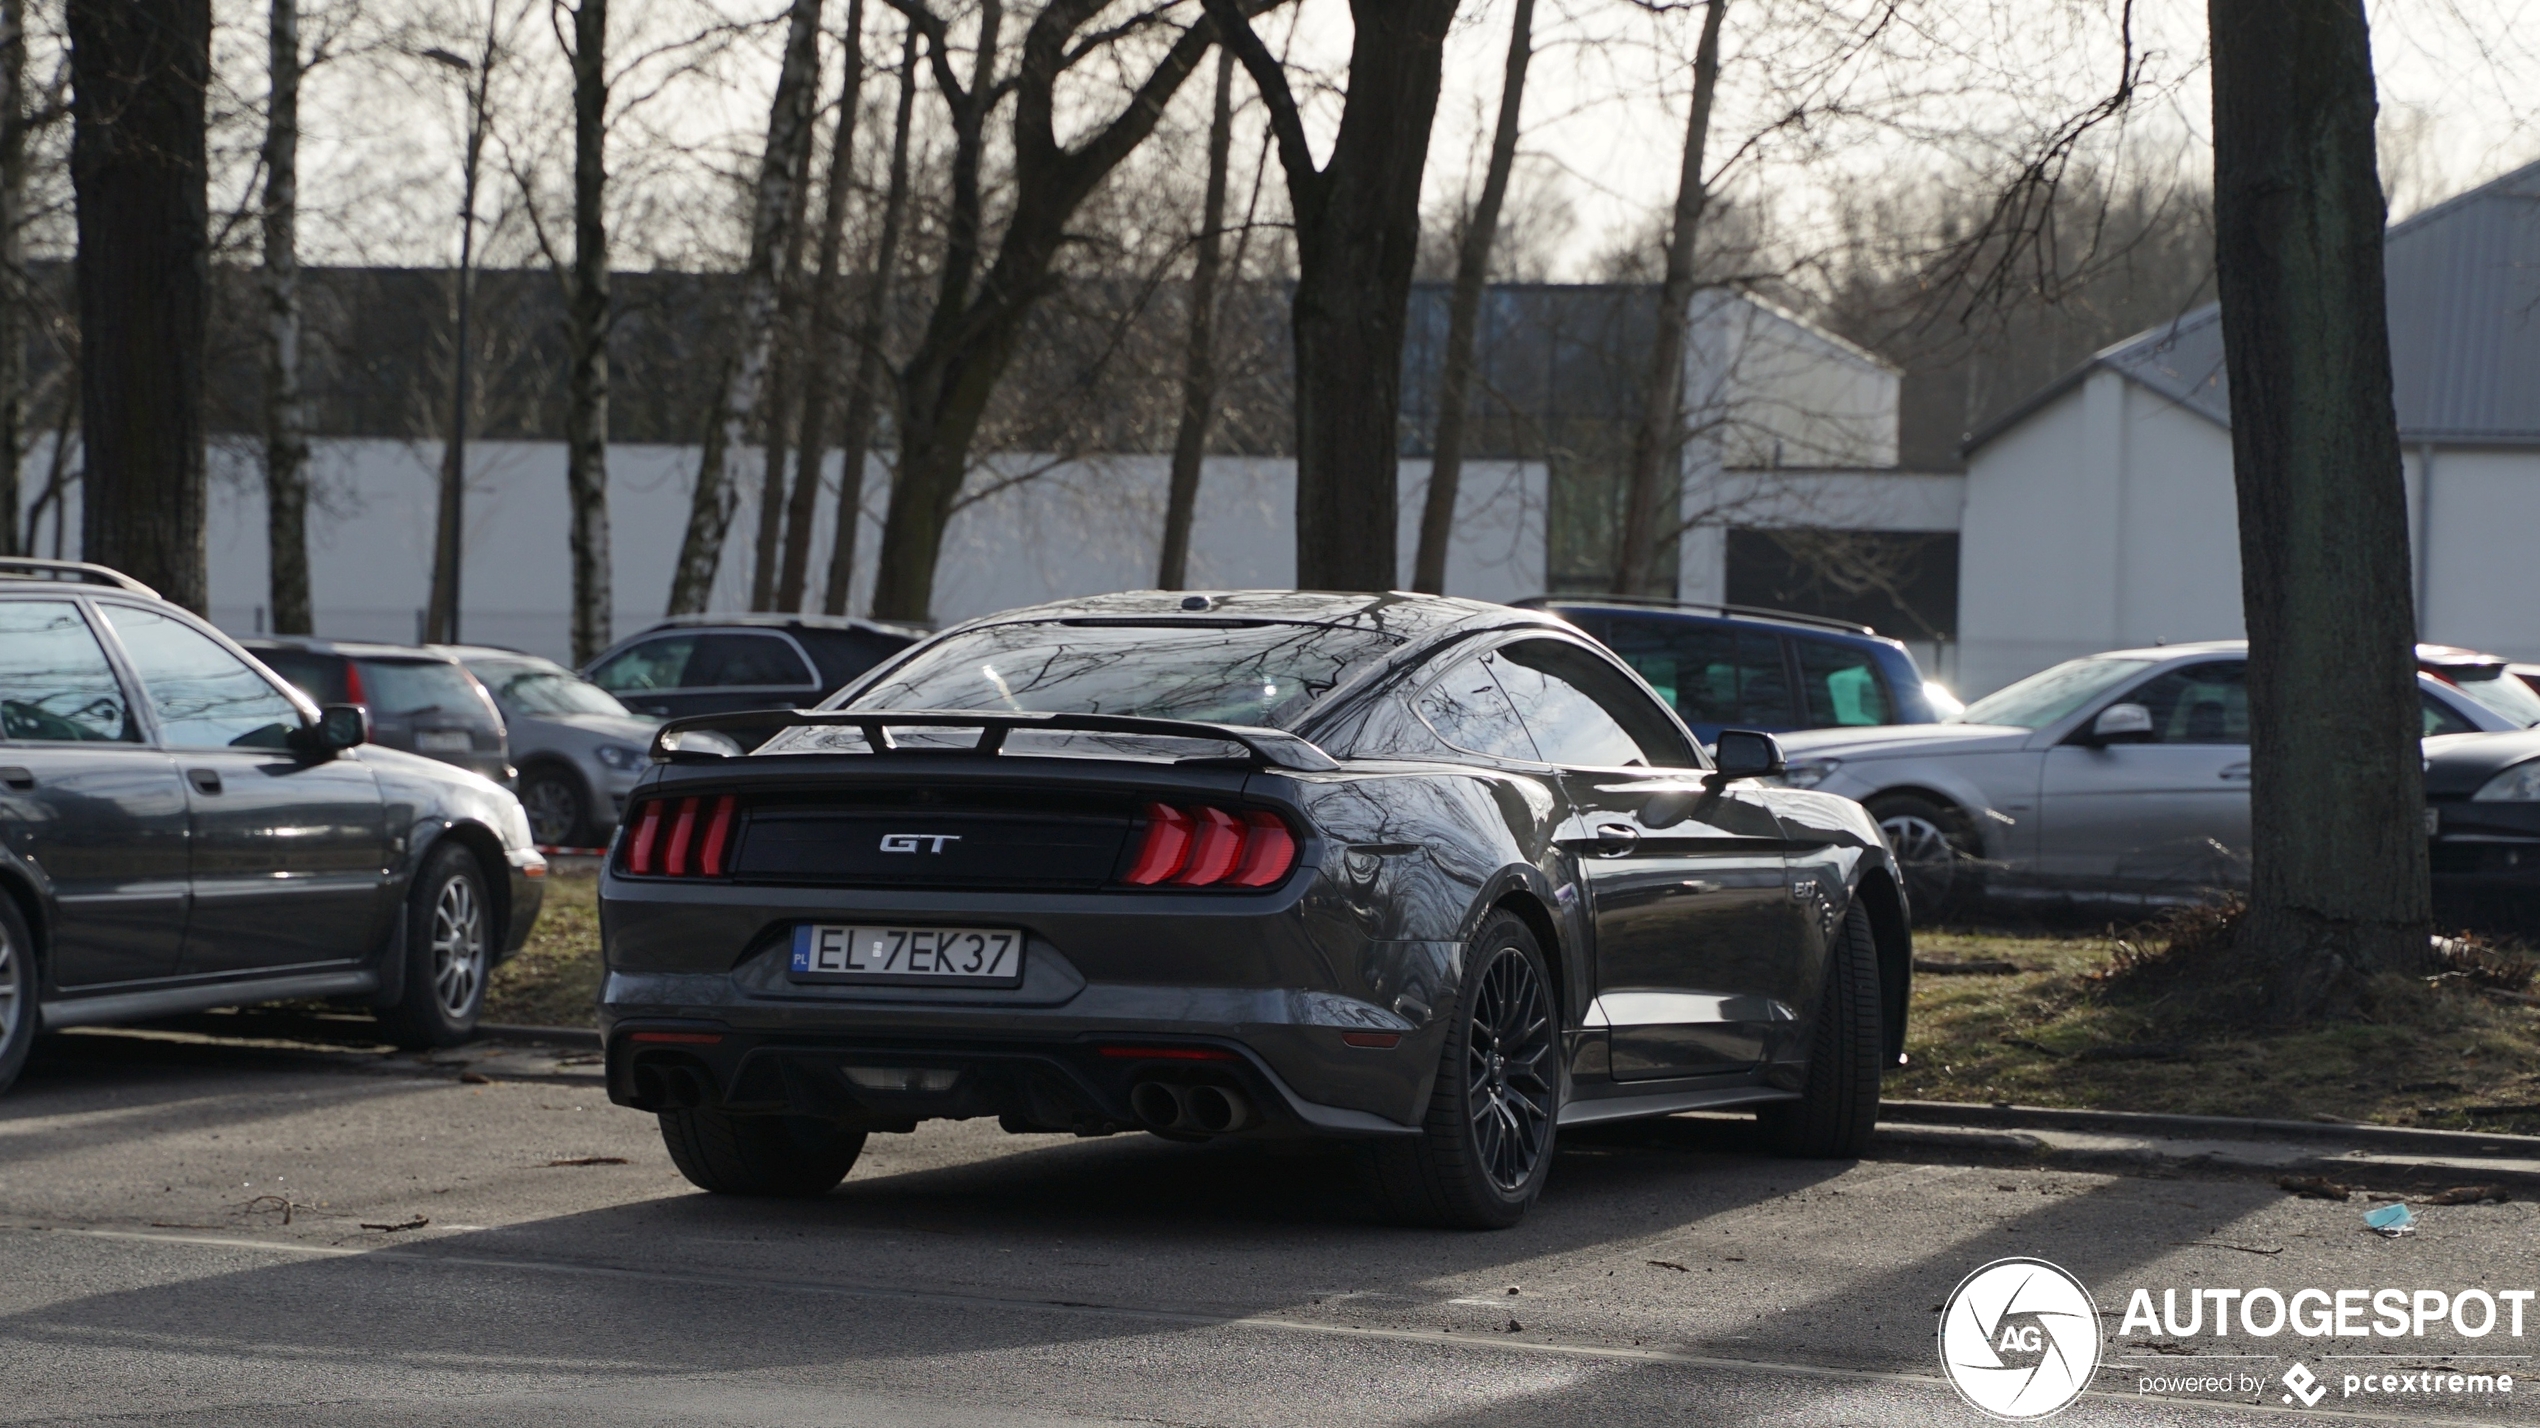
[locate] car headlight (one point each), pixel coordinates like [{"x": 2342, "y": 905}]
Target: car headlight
[
  {"x": 1808, "y": 773},
  {"x": 2519, "y": 784},
  {"x": 620, "y": 757}
]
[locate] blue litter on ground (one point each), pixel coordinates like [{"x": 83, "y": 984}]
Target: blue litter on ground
[{"x": 2390, "y": 1219}]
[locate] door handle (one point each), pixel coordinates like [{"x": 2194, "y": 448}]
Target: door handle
[
  {"x": 1611, "y": 840},
  {"x": 208, "y": 780},
  {"x": 17, "y": 778},
  {"x": 2235, "y": 772}
]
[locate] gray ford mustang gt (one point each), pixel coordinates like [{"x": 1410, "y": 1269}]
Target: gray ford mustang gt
[{"x": 1431, "y": 874}]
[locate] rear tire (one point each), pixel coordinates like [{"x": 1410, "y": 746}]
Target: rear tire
[
  {"x": 1838, "y": 1105},
  {"x": 790, "y": 1157},
  {"x": 1485, "y": 1147},
  {"x": 1936, "y": 850},
  {"x": 17, "y": 991},
  {"x": 449, "y": 949}
]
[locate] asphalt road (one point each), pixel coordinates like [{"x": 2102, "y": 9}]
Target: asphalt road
[{"x": 1672, "y": 1274}]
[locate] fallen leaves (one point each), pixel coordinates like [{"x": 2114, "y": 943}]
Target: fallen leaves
[
  {"x": 2465, "y": 1195},
  {"x": 1668, "y": 1264},
  {"x": 2314, "y": 1187}
]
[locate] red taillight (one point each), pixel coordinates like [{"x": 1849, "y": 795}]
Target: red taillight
[
  {"x": 683, "y": 830},
  {"x": 1212, "y": 847},
  {"x": 1167, "y": 843},
  {"x": 718, "y": 837},
  {"x": 1215, "y": 851},
  {"x": 639, "y": 849},
  {"x": 1269, "y": 850},
  {"x": 353, "y": 692},
  {"x": 683, "y": 837},
  {"x": 679, "y": 1038}
]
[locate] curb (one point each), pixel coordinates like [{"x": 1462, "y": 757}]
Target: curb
[
  {"x": 538, "y": 1035},
  {"x": 2139, "y": 1123}
]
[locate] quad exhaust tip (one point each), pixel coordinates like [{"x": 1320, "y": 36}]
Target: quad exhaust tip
[{"x": 1190, "y": 1110}]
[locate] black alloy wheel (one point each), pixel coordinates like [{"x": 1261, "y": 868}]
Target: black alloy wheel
[
  {"x": 17, "y": 991},
  {"x": 559, "y": 811},
  {"x": 1935, "y": 850},
  {"x": 1485, "y": 1147},
  {"x": 450, "y": 937}
]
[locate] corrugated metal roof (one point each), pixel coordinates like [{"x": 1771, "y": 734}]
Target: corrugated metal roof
[{"x": 2463, "y": 279}]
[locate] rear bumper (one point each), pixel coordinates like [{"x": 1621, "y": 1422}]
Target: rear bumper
[{"x": 1084, "y": 1084}]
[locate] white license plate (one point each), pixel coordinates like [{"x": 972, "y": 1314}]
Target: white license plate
[
  {"x": 833, "y": 952},
  {"x": 444, "y": 741}
]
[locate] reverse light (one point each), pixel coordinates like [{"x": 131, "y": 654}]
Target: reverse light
[{"x": 1206, "y": 846}]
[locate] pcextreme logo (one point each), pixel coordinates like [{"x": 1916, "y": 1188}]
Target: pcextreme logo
[{"x": 2019, "y": 1338}]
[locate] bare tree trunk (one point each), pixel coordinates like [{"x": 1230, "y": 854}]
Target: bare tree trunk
[
  {"x": 1464, "y": 305},
  {"x": 785, "y": 360},
  {"x": 1199, "y": 362},
  {"x": 2338, "y": 868},
  {"x": 856, "y": 441},
  {"x": 442, "y": 619},
  {"x": 139, "y": 72},
  {"x": 1658, "y": 441},
  {"x": 13, "y": 293},
  {"x": 788, "y": 130},
  {"x": 978, "y": 317},
  {"x": 802, "y": 504},
  {"x": 1357, "y": 233},
  {"x": 286, "y": 424},
  {"x": 586, "y": 474}
]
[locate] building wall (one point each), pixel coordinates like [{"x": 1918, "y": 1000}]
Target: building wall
[
  {"x": 1074, "y": 528},
  {"x": 2107, "y": 520}
]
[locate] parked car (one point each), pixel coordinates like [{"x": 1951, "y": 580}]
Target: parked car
[
  {"x": 181, "y": 829},
  {"x": 1434, "y": 874},
  {"x": 2119, "y": 777},
  {"x": 420, "y": 700},
  {"x": 709, "y": 664},
  {"x": 2482, "y": 795},
  {"x": 1731, "y": 666},
  {"x": 2484, "y": 679},
  {"x": 577, "y": 748}
]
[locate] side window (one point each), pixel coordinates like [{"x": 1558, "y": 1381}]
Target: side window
[
  {"x": 2201, "y": 704},
  {"x": 1583, "y": 714},
  {"x": 745, "y": 660},
  {"x": 205, "y": 697},
  {"x": 321, "y": 677},
  {"x": 654, "y": 664},
  {"x": 1468, "y": 710},
  {"x": 2441, "y": 718},
  {"x": 1713, "y": 674},
  {"x": 1840, "y": 685},
  {"x": 55, "y": 684}
]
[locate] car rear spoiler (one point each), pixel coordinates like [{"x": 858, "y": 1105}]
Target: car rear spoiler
[{"x": 1273, "y": 748}]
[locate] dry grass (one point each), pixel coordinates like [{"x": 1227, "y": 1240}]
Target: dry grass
[
  {"x": 2081, "y": 1025},
  {"x": 555, "y": 980},
  {"x": 2060, "y": 1032}
]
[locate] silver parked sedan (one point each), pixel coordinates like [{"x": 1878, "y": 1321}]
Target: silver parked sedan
[
  {"x": 577, "y": 748},
  {"x": 2122, "y": 777}
]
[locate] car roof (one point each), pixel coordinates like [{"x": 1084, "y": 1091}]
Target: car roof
[
  {"x": 349, "y": 649},
  {"x": 774, "y": 621},
  {"x": 1704, "y": 610},
  {"x": 38, "y": 571},
  {"x": 1415, "y": 619}
]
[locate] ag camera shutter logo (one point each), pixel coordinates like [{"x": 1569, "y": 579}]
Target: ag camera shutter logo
[{"x": 2019, "y": 1339}]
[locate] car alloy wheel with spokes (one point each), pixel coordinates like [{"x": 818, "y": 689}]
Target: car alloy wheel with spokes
[
  {"x": 554, "y": 807},
  {"x": 1932, "y": 851},
  {"x": 449, "y": 949},
  {"x": 1485, "y": 1146}
]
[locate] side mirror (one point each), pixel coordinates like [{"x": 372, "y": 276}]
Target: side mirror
[
  {"x": 339, "y": 727},
  {"x": 1743, "y": 753},
  {"x": 2121, "y": 724}
]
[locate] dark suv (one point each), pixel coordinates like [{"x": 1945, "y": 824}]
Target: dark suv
[
  {"x": 1733, "y": 667},
  {"x": 716, "y": 664},
  {"x": 421, "y": 701},
  {"x": 180, "y": 829}
]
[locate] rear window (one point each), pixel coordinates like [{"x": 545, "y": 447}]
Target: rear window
[
  {"x": 404, "y": 688},
  {"x": 1231, "y": 673},
  {"x": 321, "y": 677},
  {"x": 2491, "y": 686}
]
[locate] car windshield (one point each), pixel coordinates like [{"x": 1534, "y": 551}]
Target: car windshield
[
  {"x": 1247, "y": 672},
  {"x": 2493, "y": 687},
  {"x": 2050, "y": 694},
  {"x": 541, "y": 688}
]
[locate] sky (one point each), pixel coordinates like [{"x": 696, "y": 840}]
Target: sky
[{"x": 1945, "y": 94}]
